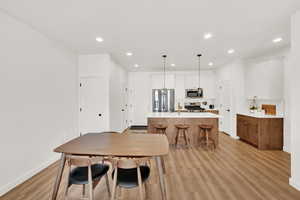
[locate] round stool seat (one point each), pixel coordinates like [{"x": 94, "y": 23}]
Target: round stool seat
[
  {"x": 205, "y": 126},
  {"x": 160, "y": 126},
  {"x": 182, "y": 126}
]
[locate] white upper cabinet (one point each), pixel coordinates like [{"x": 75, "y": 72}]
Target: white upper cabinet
[
  {"x": 157, "y": 81},
  {"x": 191, "y": 81},
  {"x": 265, "y": 79}
]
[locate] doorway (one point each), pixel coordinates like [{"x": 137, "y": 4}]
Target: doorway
[{"x": 225, "y": 106}]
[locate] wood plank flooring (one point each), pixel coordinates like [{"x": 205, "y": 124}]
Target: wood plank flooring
[{"x": 235, "y": 171}]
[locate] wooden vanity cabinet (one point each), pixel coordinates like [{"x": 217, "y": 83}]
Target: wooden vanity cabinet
[{"x": 263, "y": 133}]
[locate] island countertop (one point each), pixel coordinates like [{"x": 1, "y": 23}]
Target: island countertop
[
  {"x": 182, "y": 115},
  {"x": 260, "y": 115}
]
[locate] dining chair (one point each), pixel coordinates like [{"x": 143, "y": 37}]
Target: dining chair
[
  {"x": 130, "y": 173},
  {"x": 87, "y": 171}
]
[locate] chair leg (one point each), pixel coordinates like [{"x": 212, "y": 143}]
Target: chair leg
[
  {"x": 67, "y": 185},
  {"x": 140, "y": 183},
  {"x": 95, "y": 183},
  {"x": 114, "y": 184},
  {"x": 107, "y": 185},
  {"x": 91, "y": 193},
  {"x": 83, "y": 190},
  {"x": 163, "y": 165},
  {"x": 146, "y": 189}
]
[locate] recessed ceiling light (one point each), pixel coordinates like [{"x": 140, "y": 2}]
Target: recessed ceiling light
[
  {"x": 276, "y": 40},
  {"x": 129, "y": 54},
  {"x": 207, "y": 36},
  {"x": 230, "y": 51},
  {"x": 210, "y": 63},
  {"x": 99, "y": 39},
  {"x": 136, "y": 65},
  {"x": 173, "y": 65}
]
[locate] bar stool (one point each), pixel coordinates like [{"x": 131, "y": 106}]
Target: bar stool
[
  {"x": 206, "y": 129},
  {"x": 161, "y": 129},
  {"x": 182, "y": 129}
]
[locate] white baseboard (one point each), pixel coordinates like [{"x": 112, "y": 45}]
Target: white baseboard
[
  {"x": 6, "y": 188},
  {"x": 294, "y": 183},
  {"x": 285, "y": 149},
  {"x": 235, "y": 137}
]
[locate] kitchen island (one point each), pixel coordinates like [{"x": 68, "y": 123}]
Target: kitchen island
[
  {"x": 191, "y": 119},
  {"x": 262, "y": 131}
]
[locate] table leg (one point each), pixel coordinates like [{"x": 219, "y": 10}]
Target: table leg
[
  {"x": 59, "y": 176},
  {"x": 161, "y": 177}
]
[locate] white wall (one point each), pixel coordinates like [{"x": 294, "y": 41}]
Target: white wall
[
  {"x": 264, "y": 79},
  {"x": 293, "y": 72},
  {"x": 38, "y": 104},
  {"x": 142, "y": 83},
  {"x": 287, "y": 92}
]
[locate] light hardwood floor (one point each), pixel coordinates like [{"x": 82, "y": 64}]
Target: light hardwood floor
[{"x": 235, "y": 171}]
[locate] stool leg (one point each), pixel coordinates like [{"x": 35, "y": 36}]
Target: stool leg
[
  {"x": 176, "y": 138},
  {"x": 185, "y": 137},
  {"x": 206, "y": 134},
  {"x": 200, "y": 137}
]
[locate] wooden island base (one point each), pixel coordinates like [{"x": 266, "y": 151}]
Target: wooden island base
[{"x": 193, "y": 131}]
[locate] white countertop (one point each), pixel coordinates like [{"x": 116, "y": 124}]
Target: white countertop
[
  {"x": 261, "y": 115},
  {"x": 182, "y": 115}
]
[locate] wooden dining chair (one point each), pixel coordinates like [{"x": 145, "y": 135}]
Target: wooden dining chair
[
  {"x": 129, "y": 173},
  {"x": 87, "y": 171}
]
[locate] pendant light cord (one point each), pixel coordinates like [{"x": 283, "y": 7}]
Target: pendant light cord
[
  {"x": 199, "y": 56},
  {"x": 164, "y": 59}
]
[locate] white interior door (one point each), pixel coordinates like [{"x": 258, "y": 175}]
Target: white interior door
[
  {"x": 93, "y": 102},
  {"x": 125, "y": 123},
  {"x": 225, "y": 106}
]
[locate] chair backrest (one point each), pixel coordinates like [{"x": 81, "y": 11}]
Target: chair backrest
[
  {"x": 127, "y": 162},
  {"x": 83, "y": 161}
]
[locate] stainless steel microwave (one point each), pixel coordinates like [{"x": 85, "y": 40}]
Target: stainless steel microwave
[{"x": 194, "y": 93}]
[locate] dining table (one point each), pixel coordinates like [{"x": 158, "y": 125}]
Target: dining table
[{"x": 115, "y": 145}]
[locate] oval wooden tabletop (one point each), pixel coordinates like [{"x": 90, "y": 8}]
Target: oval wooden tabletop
[{"x": 112, "y": 144}]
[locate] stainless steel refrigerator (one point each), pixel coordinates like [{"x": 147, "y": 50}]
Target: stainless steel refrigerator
[{"x": 163, "y": 100}]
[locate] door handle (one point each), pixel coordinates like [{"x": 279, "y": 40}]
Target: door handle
[
  {"x": 99, "y": 114},
  {"x": 122, "y": 110},
  {"x": 228, "y": 110}
]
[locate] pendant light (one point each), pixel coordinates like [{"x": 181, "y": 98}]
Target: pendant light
[
  {"x": 164, "y": 67},
  {"x": 199, "y": 88}
]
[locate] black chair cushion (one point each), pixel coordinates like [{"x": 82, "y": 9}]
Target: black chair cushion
[
  {"x": 128, "y": 178},
  {"x": 79, "y": 175}
]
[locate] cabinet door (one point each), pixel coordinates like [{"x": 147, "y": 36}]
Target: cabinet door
[
  {"x": 242, "y": 130},
  {"x": 191, "y": 81},
  {"x": 253, "y": 131},
  {"x": 157, "y": 81}
]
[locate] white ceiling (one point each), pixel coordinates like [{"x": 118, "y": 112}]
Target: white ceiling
[{"x": 150, "y": 28}]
